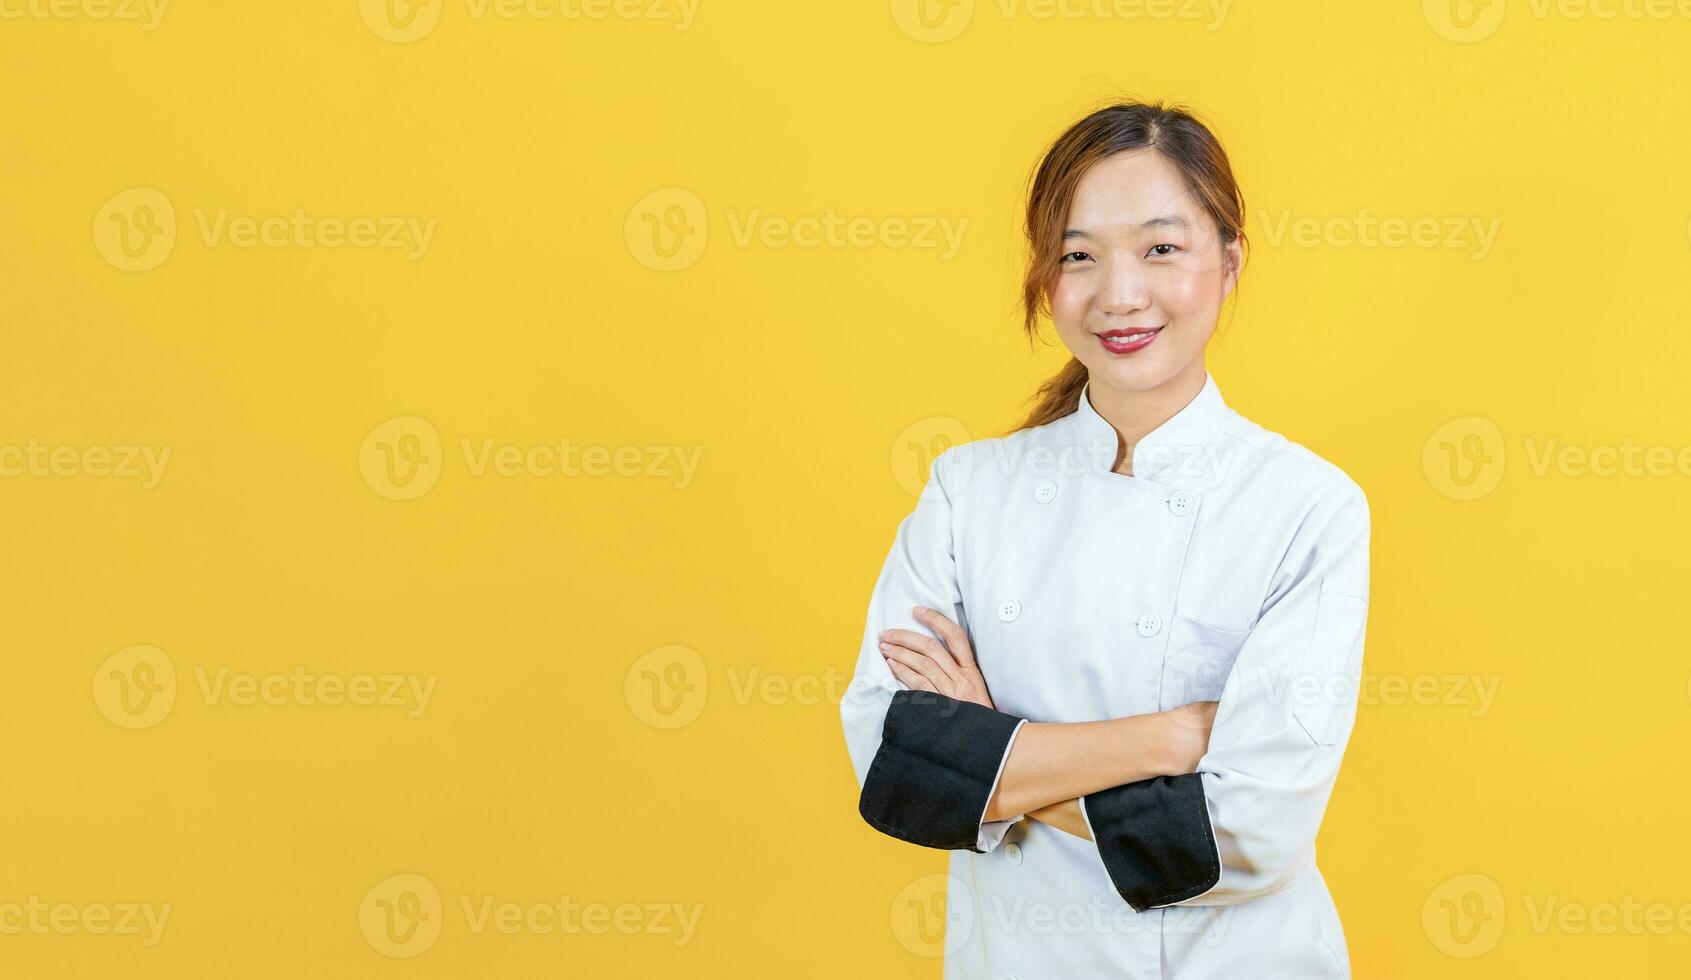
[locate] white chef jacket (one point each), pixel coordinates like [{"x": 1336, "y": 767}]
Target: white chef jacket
[{"x": 1231, "y": 566}]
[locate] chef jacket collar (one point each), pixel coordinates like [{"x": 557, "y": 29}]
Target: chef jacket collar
[{"x": 1183, "y": 445}]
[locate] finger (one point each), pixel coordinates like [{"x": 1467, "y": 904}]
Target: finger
[
  {"x": 956, "y": 638},
  {"x": 909, "y": 678},
  {"x": 926, "y": 645},
  {"x": 920, "y": 663}
]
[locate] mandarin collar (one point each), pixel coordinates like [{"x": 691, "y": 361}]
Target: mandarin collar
[{"x": 1184, "y": 435}]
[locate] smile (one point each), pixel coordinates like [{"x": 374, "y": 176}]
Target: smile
[{"x": 1128, "y": 341}]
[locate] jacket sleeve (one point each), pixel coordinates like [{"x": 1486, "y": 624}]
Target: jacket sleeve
[
  {"x": 926, "y": 765},
  {"x": 1244, "y": 824}
]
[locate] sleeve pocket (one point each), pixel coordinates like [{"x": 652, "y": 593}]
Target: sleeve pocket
[{"x": 1324, "y": 692}]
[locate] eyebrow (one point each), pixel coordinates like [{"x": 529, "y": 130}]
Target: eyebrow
[{"x": 1172, "y": 220}]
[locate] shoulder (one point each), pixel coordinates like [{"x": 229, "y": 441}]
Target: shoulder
[
  {"x": 995, "y": 461},
  {"x": 1267, "y": 461}
]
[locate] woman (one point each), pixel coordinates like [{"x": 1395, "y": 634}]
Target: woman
[{"x": 1111, "y": 660}]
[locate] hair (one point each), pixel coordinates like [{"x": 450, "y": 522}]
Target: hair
[{"x": 1171, "y": 130}]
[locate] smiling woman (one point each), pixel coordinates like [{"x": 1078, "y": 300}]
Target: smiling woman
[{"x": 1076, "y": 681}]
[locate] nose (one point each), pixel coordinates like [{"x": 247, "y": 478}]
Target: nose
[{"x": 1125, "y": 290}]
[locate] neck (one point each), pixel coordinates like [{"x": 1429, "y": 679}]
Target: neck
[{"x": 1134, "y": 414}]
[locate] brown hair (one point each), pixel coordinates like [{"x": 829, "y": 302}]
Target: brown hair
[{"x": 1171, "y": 130}]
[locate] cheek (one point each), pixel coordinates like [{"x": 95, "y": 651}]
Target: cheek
[
  {"x": 1184, "y": 292},
  {"x": 1068, "y": 302}
]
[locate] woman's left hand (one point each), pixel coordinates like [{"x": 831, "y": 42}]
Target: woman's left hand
[{"x": 923, "y": 663}]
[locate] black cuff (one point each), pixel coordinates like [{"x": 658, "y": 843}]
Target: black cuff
[
  {"x": 1155, "y": 839},
  {"x": 934, "y": 773}
]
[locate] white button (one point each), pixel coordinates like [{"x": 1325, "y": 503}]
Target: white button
[
  {"x": 1014, "y": 853},
  {"x": 1009, "y": 609},
  {"x": 1182, "y": 502},
  {"x": 1046, "y": 491},
  {"x": 1150, "y": 624}
]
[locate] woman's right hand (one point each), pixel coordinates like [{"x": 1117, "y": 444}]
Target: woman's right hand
[{"x": 1188, "y": 731}]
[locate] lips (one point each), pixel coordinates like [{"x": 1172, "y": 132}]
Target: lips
[{"x": 1128, "y": 340}]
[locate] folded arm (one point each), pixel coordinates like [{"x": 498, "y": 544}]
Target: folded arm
[{"x": 937, "y": 764}]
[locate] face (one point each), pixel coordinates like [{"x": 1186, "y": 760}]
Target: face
[{"x": 1140, "y": 253}]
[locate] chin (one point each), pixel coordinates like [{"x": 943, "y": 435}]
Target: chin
[{"x": 1135, "y": 374}]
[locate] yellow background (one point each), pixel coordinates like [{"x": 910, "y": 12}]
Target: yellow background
[{"x": 797, "y": 374}]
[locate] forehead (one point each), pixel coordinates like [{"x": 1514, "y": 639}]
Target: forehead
[{"x": 1126, "y": 189}]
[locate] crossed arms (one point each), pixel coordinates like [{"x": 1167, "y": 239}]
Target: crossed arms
[{"x": 1174, "y": 822}]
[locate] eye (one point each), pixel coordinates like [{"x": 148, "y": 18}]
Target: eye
[
  {"x": 1172, "y": 249},
  {"x": 1065, "y": 259}
]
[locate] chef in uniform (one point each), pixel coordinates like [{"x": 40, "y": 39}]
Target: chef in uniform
[{"x": 1230, "y": 566}]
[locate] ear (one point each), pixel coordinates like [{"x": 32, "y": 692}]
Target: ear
[{"x": 1233, "y": 257}]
